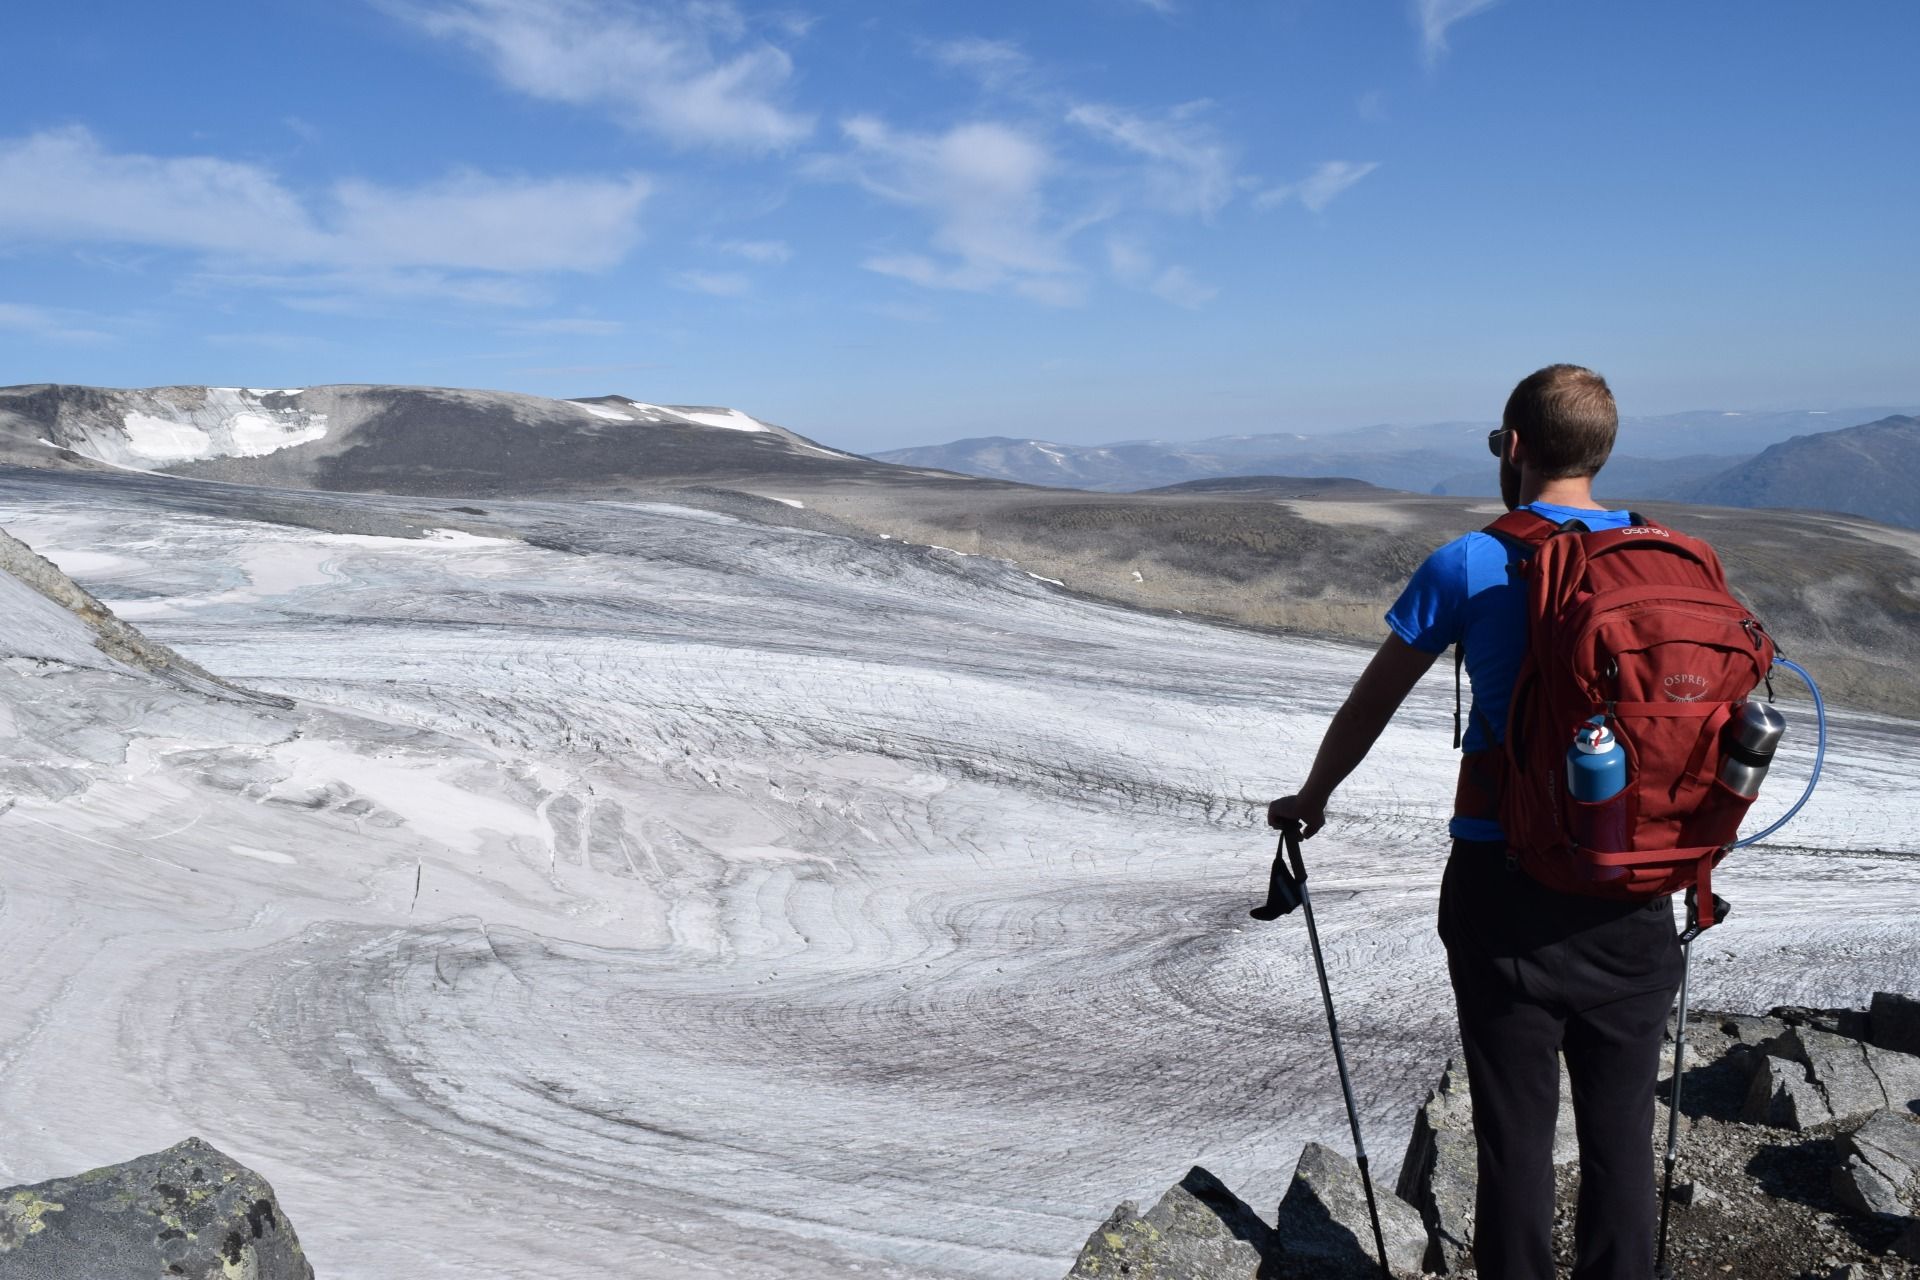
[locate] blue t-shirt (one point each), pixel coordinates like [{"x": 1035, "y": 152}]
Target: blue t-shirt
[{"x": 1465, "y": 593}]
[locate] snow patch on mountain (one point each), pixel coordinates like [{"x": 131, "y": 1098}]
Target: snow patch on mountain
[
  {"x": 730, "y": 419},
  {"x": 168, "y": 426}
]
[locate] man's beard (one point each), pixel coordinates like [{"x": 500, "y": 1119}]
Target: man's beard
[{"x": 1509, "y": 484}]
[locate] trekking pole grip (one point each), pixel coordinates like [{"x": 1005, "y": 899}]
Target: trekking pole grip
[{"x": 1283, "y": 882}]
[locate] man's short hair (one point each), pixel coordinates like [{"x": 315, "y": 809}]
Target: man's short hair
[{"x": 1567, "y": 417}]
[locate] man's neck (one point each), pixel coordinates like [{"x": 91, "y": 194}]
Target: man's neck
[{"x": 1576, "y": 492}]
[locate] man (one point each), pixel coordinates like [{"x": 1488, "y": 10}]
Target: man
[{"x": 1534, "y": 972}]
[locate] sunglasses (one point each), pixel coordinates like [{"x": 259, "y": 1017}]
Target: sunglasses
[{"x": 1497, "y": 442}]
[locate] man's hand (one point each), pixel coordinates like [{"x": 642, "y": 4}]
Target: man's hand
[{"x": 1310, "y": 813}]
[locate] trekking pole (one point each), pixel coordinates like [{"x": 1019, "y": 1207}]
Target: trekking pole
[
  {"x": 1287, "y": 889},
  {"x": 1720, "y": 909}
]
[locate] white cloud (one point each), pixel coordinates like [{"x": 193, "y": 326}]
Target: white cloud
[
  {"x": 62, "y": 186},
  {"x": 1319, "y": 188},
  {"x": 1433, "y": 17},
  {"x": 719, "y": 284},
  {"x": 491, "y": 224},
  {"x": 1188, "y": 170},
  {"x": 981, "y": 186},
  {"x": 770, "y": 252},
  {"x": 42, "y": 322},
  {"x": 652, "y": 66},
  {"x": 1135, "y": 267}
]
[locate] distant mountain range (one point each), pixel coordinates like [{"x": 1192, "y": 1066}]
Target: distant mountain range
[
  {"x": 1804, "y": 458},
  {"x": 1659, "y": 457},
  {"x": 1871, "y": 470},
  {"x": 446, "y": 441},
  {"x": 384, "y": 439}
]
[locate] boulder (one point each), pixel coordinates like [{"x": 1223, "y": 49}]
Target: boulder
[
  {"x": 1783, "y": 1096},
  {"x": 1894, "y": 1022},
  {"x": 1438, "y": 1175},
  {"x": 1882, "y": 1160},
  {"x": 1198, "y": 1230},
  {"x": 1323, "y": 1231},
  {"x": 1854, "y": 1079},
  {"x": 188, "y": 1211}
]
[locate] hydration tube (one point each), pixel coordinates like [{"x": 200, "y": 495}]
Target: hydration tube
[{"x": 1819, "y": 754}]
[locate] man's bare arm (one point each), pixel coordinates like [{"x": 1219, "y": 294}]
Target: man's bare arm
[{"x": 1376, "y": 695}]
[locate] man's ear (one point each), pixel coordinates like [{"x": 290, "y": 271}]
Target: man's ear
[{"x": 1516, "y": 449}]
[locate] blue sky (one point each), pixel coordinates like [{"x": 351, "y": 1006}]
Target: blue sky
[{"x": 896, "y": 223}]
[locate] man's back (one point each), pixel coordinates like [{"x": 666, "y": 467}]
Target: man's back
[{"x": 1465, "y": 594}]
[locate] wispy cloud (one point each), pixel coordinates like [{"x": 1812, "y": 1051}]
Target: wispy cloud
[
  {"x": 766, "y": 252},
  {"x": 997, "y": 64},
  {"x": 981, "y": 186},
  {"x": 48, "y": 323},
  {"x": 718, "y": 284},
  {"x": 1434, "y": 17},
  {"x": 1188, "y": 169},
  {"x": 62, "y": 186},
  {"x": 491, "y": 224},
  {"x": 1318, "y": 189},
  {"x": 1135, "y": 267},
  {"x": 687, "y": 72}
]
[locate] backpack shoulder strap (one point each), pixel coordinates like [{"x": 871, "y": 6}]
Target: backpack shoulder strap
[{"x": 1525, "y": 531}]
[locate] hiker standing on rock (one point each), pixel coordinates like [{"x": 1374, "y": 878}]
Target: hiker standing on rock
[{"x": 1535, "y": 972}]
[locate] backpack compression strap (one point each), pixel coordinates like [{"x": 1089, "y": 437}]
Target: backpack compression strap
[{"x": 1528, "y": 531}]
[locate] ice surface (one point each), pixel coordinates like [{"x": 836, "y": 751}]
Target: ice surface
[
  {"x": 601, "y": 411},
  {"x": 678, "y": 896}
]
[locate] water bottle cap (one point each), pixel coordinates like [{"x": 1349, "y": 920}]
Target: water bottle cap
[{"x": 1594, "y": 738}]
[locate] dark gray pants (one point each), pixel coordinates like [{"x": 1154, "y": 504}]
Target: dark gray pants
[{"x": 1538, "y": 973}]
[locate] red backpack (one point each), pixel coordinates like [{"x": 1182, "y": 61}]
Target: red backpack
[{"x": 1636, "y": 625}]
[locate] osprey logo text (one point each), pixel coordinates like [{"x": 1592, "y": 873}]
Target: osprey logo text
[
  {"x": 1685, "y": 687},
  {"x": 1654, "y": 529}
]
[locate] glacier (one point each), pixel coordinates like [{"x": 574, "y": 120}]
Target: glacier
[{"x": 638, "y": 888}]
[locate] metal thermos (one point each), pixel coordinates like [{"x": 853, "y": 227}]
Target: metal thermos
[{"x": 1752, "y": 735}]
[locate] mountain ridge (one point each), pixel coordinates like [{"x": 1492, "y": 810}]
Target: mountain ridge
[{"x": 365, "y": 437}]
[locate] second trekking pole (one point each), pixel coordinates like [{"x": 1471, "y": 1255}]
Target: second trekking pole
[
  {"x": 1287, "y": 889},
  {"x": 1721, "y": 909}
]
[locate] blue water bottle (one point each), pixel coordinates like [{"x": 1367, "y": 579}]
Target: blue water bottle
[{"x": 1597, "y": 774}]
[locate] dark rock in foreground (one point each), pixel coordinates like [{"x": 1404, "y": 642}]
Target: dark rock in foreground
[
  {"x": 1323, "y": 1229},
  {"x": 188, "y": 1211},
  {"x": 1197, "y": 1229}
]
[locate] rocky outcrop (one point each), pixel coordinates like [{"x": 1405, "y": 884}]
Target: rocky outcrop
[
  {"x": 95, "y": 624},
  {"x": 1199, "y": 1230},
  {"x": 1438, "y": 1175},
  {"x": 1882, "y": 1160},
  {"x": 1811, "y": 1077},
  {"x": 1799, "y": 1156},
  {"x": 1323, "y": 1229},
  {"x": 188, "y": 1211}
]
